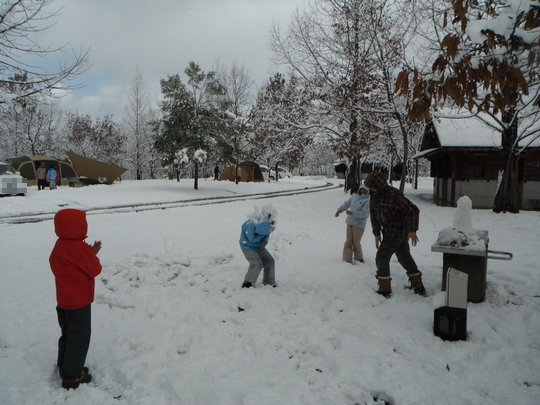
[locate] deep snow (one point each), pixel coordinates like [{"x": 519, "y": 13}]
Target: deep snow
[{"x": 167, "y": 328}]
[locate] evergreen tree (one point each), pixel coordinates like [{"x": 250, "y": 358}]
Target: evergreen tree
[{"x": 193, "y": 119}]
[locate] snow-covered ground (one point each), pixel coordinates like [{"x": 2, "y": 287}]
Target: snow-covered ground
[{"x": 167, "y": 325}]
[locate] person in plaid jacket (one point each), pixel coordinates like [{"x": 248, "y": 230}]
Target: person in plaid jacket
[{"x": 396, "y": 218}]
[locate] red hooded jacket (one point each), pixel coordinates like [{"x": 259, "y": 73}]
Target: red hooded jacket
[{"x": 72, "y": 260}]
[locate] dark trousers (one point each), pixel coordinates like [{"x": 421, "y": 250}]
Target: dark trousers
[
  {"x": 42, "y": 183},
  {"x": 74, "y": 342},
  {"x": 399, "y": 246}
]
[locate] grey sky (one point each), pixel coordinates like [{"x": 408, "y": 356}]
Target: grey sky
[{"x": 160, "y": 37}]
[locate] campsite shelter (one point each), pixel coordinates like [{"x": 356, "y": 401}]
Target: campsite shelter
[
  {"x": 246, "y": 171},
  {"x": 465, "y": 157},
  {"x": 94, "y": 171},
  {"x": 27, "y": 166},
  {"x": 342, "y": 169}
]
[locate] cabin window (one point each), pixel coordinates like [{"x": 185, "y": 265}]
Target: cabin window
[{"x": 478, "y": 171}]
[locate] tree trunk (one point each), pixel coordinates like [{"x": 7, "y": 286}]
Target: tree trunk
[
  {"x": 196, "y": 177},
  {"x": 353, "y": 177},
  {"x": 507, "y": 197}
]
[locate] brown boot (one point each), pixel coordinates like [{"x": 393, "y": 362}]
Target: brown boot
[
  {"x": 385, "y": 287},
  {"x": 74, "y": 383},
  {"x": 416, "y": 284}
]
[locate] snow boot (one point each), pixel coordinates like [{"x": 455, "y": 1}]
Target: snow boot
[
  {"x": 247, "y": 284},
  {"x": 273, "y": 285},
  {"x": 416, "y": 284},
  {"x": 385, "y": 287},
  {"x": 74, "y": 383}
]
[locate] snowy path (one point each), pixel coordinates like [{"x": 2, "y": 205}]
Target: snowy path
[{"x": 21, "y": 218}]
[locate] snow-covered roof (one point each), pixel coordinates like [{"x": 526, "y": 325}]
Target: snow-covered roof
[
  {"x": 470, "y": 132},
  {"x": 475, "y": 132},
  {"x": 425, "y": 153}
]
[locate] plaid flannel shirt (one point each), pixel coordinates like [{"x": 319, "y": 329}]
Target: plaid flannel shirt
[{"x": 392, "y": 212}]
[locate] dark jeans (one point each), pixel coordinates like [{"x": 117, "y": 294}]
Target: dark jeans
[
  {"x": 41, "y": 183},
  {"x": 74, "y": 342},
  {"x": 399, "y": 246}
]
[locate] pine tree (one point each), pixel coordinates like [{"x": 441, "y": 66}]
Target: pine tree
[{"x": 193, "y": 118}]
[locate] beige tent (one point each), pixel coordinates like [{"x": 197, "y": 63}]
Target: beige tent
[
  {"x": 27, "y": 166},
  {"x": 247, "y": 171},
  {"x": 95, "y": 171}
]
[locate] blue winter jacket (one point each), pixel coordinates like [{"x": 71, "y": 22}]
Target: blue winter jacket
[
  {"x": 52, "y": 174},
  {"x": 359, "y": 205},
  {"x": 255, "y": 232}
]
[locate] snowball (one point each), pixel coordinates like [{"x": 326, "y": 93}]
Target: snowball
[{"x": 266, "y": 211}]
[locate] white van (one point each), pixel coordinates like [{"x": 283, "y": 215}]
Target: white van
[{"x": 11, "y": 182}]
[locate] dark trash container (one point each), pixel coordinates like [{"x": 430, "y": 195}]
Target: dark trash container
[
  {"x": 471, "y": 262},
  {"x": 450, "y": 323}
]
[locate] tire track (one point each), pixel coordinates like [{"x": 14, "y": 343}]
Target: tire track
[{"x": 116, "y": 209}]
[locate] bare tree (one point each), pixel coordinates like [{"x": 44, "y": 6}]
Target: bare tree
[
  {"x": 138, "y": 131},
  {"x": 317, "y": 160},
  {"x": 489, "y": 64},
  {"x": 274, "y": 136},
  {"x": 30, "y": 128},
  {"x": 346, "y": 52},
  {"x": 237, "y": 97},
  {"x": 21, "y": 22},
  {"x": 101, "y": 140},
  {"x": 237, "y": 84}
]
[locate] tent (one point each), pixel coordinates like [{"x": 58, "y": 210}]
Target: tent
[
  {"x": 27, "y": 166},
  {"x": 95, "y": 171},
  {"x": 247, "y": 171}
]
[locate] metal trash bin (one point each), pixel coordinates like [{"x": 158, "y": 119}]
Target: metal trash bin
[
  {"x": 471, "y": 262},
  {"x": 75, "y": 182}
]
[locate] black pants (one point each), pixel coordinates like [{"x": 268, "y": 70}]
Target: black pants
[
  {"x": 42, "y": 183},
  {"x": 399, "y": 247},
  {"x": 74, "y": 342}
]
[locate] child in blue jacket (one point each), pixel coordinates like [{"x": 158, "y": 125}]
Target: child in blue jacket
[{"x": 253, "y": 240}]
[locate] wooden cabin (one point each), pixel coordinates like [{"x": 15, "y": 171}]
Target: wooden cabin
[{"x": 465, "y": 157}]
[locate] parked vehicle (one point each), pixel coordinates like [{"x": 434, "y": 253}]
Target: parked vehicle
[
  {"x": 267, "y": 173},
  {"x": 283, "y": 174},
  {"x": 11, "y": 181}
]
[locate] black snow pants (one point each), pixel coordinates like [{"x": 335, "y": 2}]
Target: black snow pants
[{"x": 74, "y": 342}]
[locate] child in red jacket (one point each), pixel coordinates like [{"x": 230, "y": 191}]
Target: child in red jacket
[{"x": 74, "y": 264}]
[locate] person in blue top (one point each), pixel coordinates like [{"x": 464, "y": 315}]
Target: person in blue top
[
  {"x": 51, "y": 175},
  {"x": 357, "y": 210},
  {"x": 253, "y": 240}
]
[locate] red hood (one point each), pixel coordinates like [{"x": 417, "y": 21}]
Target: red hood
[{"x": 71, "y": 224}]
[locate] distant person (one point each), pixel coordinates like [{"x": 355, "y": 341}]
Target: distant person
[
  {"x": 75, "y": 265},
  {"x": 41, "y": 174},
  {"x": 51, "y": 177},
  {"x": 216, "y": 173},
  {"x": 397, "y": 218},
  {"x": 357, "y": 210},
  {"x": 253, "y": 240}
]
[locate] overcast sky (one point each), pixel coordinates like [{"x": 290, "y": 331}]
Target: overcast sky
[{"x": 160, "y": 37}]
